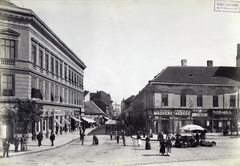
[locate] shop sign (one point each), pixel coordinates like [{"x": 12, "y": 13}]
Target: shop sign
[
  {"x": 222, "y": 112},
  {"x": 182, "y": 112},
  {"x": 199, "y": 114},
  {"x": 162, "y": 112}
]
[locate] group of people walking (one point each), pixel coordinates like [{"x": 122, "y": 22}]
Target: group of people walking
[{"x": 165, "y": 144}]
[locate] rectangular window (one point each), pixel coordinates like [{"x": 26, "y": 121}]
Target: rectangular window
[
  {"x": 7, "y": 85},
  {"x": 69, "y": 76},
  {"x": 46, "y": 62},
  {"x": 164, "y": 99},
  {"x": 65, "y": 72},
  {"x": 34, "y": 55},
  {"x": 60, "y": 70},
  {"x": 215, "y": 101},
  {"x": 52, "y": 65},
  {"x": 56, "y": 67},
  {"x": 232, "y": 101},
  {"x": 52, "y": 92},
  {"x": 199, "y": 101},
  {"x": 46, "y": 91},
  {"x": 40, "y": 58},
  {"x": 65, "y": 95},
  {"x": 183, "y": 100},
  {"x": 7, "y": 49},
  {"x": 56, "y": 93},
  {"x": 72, "y": 77}
]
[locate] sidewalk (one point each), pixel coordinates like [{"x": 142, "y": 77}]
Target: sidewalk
[{"x": 60, "y": 140}]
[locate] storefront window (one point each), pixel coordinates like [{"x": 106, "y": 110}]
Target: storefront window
[{"x": 232, "y": 101}]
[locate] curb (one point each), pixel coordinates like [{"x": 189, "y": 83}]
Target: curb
[{"x": 30, "y": 152}]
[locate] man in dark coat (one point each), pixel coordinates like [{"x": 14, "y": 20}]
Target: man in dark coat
[
  {"x": 23, "y": 142},
  {"x": 52, "y": 138},
  {"x": 39, "y": 138},
  {"x": 16, "y": 143},
  {"x": 6, "y": 146}
]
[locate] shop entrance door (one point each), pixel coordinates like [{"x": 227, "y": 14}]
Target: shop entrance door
[{"x": 165, "y": 126}]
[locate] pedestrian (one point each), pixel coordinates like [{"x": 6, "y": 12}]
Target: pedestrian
[
  {"x": 6, "y": 146},
  {"x": 203, "y": 135},
  {"x": 138, "y": 138},
  {"x": 197, "y": 139},
  {"x": 16, "y": 143},
  {"x": 123, "y": 137},
  {"x": 57, "y": 129},
  {"x": 23, "y": 142},
  {"x": 169, "y": 146},
  {"x": 160, "y": 137},
  {"x": 39, "y": 138},
  {"x": 82, "y": 135},
  {"x": 232, "y": 129},
  {"x": 117, "y": 137},
  {"x": 162, "y": 147},
  {"x": 52, "y": 138},
  {"x": 150, "y": 133},
  {"x": 147, "y": 145},
  {"x": 124, "y": 141},
  {"x": 111, "y": 135},
  {"x": 95, "y": 140}
]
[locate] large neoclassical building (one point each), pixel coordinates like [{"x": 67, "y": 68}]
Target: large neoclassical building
[{"x": 35, "y": 64}]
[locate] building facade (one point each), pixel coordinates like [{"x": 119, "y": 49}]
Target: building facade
[
  {"x": 181, "y": 95},
  {"x": 35, "y": 64},
  {"x": 103, "y": 101}
]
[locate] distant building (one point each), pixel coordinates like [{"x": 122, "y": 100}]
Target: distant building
[
  {"x": 181, "y": 95},
  {"x": 93, "y": 115},
  {"x": 103, "y": 101},
  {"x": 36, "y": 64}
]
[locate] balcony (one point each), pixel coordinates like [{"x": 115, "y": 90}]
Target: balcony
[{"x": 8, "y": 62}]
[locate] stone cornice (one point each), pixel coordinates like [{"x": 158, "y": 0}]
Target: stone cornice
[{"x": 18, "y": 14}]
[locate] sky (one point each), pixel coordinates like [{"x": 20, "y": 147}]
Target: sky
[{"x": 125, "y": 43}]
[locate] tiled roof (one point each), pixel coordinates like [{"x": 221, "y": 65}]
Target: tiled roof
[
  {"x": 200, "y": 75},
  {"x": 92, "y": 109}
]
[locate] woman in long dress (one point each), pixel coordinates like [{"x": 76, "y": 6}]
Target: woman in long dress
[
  {"x": 162, "y": 147},
  {"x": 147, "y": 145}
]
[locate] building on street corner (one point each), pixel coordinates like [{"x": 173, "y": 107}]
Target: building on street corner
[
  {"x": 181, "y": 95},
  {"x": 35, "y": 64}
]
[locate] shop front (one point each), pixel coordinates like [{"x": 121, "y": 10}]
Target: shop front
[
  {"x": 170, "y": 121},
  {"x": 219, "y": 120}
]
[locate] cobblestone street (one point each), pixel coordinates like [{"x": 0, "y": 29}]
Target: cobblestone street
[{"x": 108, "y": 152}]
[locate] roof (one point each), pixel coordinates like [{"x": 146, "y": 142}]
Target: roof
[
  {"x": 200, "y": 75},
  {"x": 92, "y": 109}
]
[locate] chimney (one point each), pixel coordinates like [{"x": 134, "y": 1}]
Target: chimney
[
  {"x": 238, "y": 56},
  {"x": 184, "y": 62},
  {"x": 209, "y": 63}
]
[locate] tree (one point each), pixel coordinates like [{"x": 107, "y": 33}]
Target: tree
[{"x": 28, "y": 111}]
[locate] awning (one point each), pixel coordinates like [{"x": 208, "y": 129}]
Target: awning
[
  {"x": 66, "y": 121},
  {"x": 88, "y": 120},
  {"x": 57, "y": 121},
  {"x": 76, "y": 119}
]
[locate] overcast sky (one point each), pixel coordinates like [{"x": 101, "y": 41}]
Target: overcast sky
[{"x": 124, "y": 44}]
